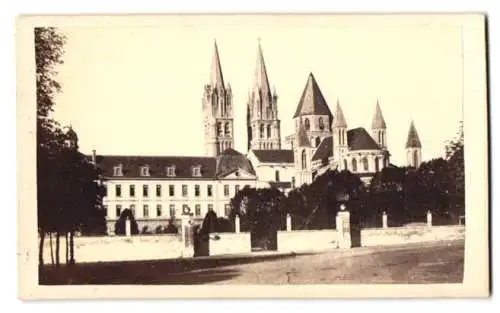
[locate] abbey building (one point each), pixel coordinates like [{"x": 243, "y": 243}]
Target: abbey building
[{"x": 161, "y": 188}]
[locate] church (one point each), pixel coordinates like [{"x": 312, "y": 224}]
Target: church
[{"x": 158, "y": 189}]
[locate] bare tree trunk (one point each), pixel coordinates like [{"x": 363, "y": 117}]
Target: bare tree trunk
[
  {"x": 67, "y": 245},
  {"x": 72, "y": 247},
  {"x": 51, "y": 249},
  {"x": 58, "y": 246},
  {"x": 40, "y": 248}
]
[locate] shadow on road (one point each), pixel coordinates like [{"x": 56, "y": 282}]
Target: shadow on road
[{"x": 155, "y": 272}]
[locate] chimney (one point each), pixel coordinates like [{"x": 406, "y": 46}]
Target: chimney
[{"x": 93, "y": 157}]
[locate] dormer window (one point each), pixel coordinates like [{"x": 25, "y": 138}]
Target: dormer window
[
  {"x": 118, "y": 170},
  {"x": 196, "y": 171},
  {"x": 145, "y": 170},
  {"x": 171, "y": 170}
]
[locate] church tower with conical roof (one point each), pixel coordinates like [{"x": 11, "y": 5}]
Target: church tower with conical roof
[
  {"x": 339, "y": 138},
  {"x": 313, "y": 113},
  {"x": 262, "y": 111},
  {"x": 379, "y": 128},
  {"x": 413, "y": 147},
  {"x": 217, "y": 111}
]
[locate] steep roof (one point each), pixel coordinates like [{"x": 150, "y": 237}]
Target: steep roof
[
  {"x": 261, "y": 81},
  {"x": 378, "y": 121},
  {"x": 360, "y": 139},
  {"x": 157, "y": 165},
  {"x": 216, "y": 78},
  {"x": 413, "y": 141},
  {"x": 339, "y": 119},
  {"x": 274, "y": 156},
  {"x": 312, "y": 101},
  {"x": 231, "y": 160},
  {"x": 324, "y": 150}
]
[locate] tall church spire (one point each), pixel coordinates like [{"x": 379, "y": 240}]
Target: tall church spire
[
  {"x": 262, "y": 111},
  {"x": 261, "y": 82},
  {"x": 413, "y": 141},
  {"x": 379, "y": 128},
  {"x": 216, "y": 78},
  {"x": 378, "y": 121},
  {"x": 339, "y": 119},
  {"x": 217, "y": 111},
  {"x": 413, "y": 147}
]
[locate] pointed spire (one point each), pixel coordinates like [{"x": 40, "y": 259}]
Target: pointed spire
[
  {"x": 339, "y": 119},
  {"x": 216, "y": 78},
  {"x": 378, "y": 121},
  {"x": 261, "y": 82},
  {"x": 312, "y": 101},
  {"x": 413, "y": 140},
  {"x": 302, "y": 139}
]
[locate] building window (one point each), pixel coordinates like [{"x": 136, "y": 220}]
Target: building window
[
  {"x": 210, "y": 208},
  {"x": 318, "y": 141},
  {"x": 105, "y": 190},
  {"x": 345, "y": 165},
  {"x": 145, "y": 190},
  {"x": 247, "y": 186},
  {"x": 145, "y": 212},
  {"x": 365, "y": 164},
  {"x": 158, "y": 210},
  {"x": 118, "y": 210},
  {"x": 209, "y": 190},
  {"x": 227, "y": 131},
  {"x": 377, "y": 165},
  {"x": 131, "y": 190},
  {"x": 172, "y": 210},
  {"x": 184, "y": 190},
  {"x": 261, "y": 130},
  {"x": 354, "y": 165},
  {"x": 321, "y": 123},
  {"x": 197, "y": 210},
  {"x": 307, "y": 124},
  {"x": 304, "y": 160},
  {"x": 105, "y": 207},
  {"x": 132, "y": 209},
  {"x": 118, "y": 191},
  {"x": 158, "y": 190},
  {"x": 236, "y": 189},
  {"x": 227, "y": 209},
  {"x": 171, "y": 190},
  {"x": 219, "y": 129},
  {"x": 171, "y": 171},
  {"x": 226, "y": 190},
  {"x": 196, "y": 190},
  {"x": 197, "y": 171},
  {"x": 268, "y": 131},
  {"x": 118, "y": 170},
  {"x": 145, "y": 171},
  {"x": 293, "y": 182},
  {"x": 277, "y": 175}
]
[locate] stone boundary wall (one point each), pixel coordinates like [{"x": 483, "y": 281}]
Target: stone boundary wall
[
  {"x": 410, "y": 234},
  {"x": 230, "y": 243},
  {"x": 118, "y": 248},
  {"x": 307, "y": 240}
]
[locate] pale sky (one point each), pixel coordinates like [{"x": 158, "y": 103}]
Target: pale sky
[{"x": 138, "y": 90}]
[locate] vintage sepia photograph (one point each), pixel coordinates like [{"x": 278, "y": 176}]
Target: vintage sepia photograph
[{"x": 247, "y": 150}]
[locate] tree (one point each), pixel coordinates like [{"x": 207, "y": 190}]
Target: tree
[
  {"x": 48, "y": 55},
  {"x": 456, "y": 166}
]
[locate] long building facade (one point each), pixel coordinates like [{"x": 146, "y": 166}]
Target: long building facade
[{"x": 159, "y": 189}]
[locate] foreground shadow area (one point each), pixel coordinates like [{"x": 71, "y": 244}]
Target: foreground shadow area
[{"x": 190, "y": 271}]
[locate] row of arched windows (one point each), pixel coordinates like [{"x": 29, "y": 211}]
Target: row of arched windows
[
  {"x": 262, "y": 133},
  {"x": 341, "y": 135},
  {"x": 225, "y": 131},
  {"x": 321, "y": 124},
  {"x": 364, "y": 164}
]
